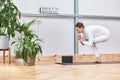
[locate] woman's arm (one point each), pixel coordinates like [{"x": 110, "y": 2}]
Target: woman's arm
[{"x": 81, "y": 39}]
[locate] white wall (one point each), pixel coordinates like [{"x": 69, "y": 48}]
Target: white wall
[
  {"x": 58, "y": 35},
  {"x": 27, "y": 6},
  {"x": 99, "y": 7},
  {"x": 32, "y": 6}
]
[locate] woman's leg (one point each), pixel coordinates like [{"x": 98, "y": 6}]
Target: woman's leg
[
  {"x": 97, "y": 54},
  {"x": 100, "y": 39}
]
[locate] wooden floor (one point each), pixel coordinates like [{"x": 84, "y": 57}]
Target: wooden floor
[{"x": 78, "y": 71}]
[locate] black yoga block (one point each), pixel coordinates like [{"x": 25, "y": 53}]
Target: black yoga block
[{"x": 67, "y": 59}]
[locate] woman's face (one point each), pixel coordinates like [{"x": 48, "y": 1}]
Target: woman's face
[{"x": 79, "y": 30}]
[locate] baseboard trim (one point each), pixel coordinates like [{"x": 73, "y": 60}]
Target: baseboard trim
[{"x": 76, "y": 58}]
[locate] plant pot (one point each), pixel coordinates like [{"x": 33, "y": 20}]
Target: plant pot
[
  {"x": 19, "y": 61},
  {"x": 17, "y": 55},
  {"x": 4, "y": 42},
  {"x": 30, "y": 61}
]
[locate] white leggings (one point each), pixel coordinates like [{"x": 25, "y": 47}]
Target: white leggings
[
  {"x": 95, "y": 50},
  {"x": 96, "y": 40}
]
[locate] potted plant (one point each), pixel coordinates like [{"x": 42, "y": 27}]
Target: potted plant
[
  {"x": 27, "y": 44},
  {"x": 9, "y": 21}
]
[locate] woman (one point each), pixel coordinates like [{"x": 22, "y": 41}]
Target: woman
[{"x": 91, "y": 35}]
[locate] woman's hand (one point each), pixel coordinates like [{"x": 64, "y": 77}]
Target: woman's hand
[{"x": 81, "y": 38}]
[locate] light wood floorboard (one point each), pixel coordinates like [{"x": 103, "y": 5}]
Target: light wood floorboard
[{"x": 85, "y": 71}]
